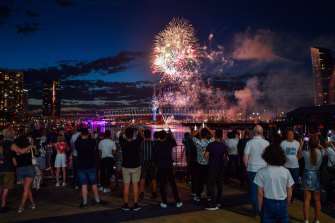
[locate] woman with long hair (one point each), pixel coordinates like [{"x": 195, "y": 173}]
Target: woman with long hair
[
  {"x": 311, "y": 177},
  {"x": 60, "y": 162},
  {"x": 23, "y": 148}
]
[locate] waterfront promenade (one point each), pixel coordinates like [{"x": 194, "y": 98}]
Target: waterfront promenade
[{"x": 61, "y": 204}]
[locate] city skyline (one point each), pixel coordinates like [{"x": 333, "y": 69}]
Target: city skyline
[{"x": 90, "y": 45}]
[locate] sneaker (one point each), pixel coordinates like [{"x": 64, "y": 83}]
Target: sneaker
[
  {"x": 195, "y": 198},
  {"x": 163, "y": 205},
  {"x": 64, "y": 184},
  {"x": 84, "y": 206},
  {"x": 32, "y": 206},
  {"x": 57, "y": 184},
  {"x": 125, "y": 207},
  {"x": 106, "y": 190},
  {"x": 211, "y": 207},
  {"x": 20, "y": 210},
  {"x": 154, "y": 195},
  {"x": 136, "y": 207},
  {"x": 101, "y": 202},
  {"x": 179, "y": 204},
  {"x": 4, "y": 209},
  {"x": 101, "y": 189},
  {"x": 141, "y": 195}
]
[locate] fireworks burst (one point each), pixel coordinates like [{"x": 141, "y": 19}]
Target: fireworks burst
[
  {"x": 175, "y": 50},
  {"x": 178, "y": 59}
]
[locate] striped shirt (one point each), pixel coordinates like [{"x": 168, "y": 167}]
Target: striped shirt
[{"x": 147, "y": 153}]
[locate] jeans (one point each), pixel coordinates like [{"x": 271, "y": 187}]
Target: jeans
[
  {"x": 295, "y": 175},
  {"x": 166, "y": 175},
  {"x": 200, "y": 178},
  {"x": 234, "y": 165},
  {"x": 215, "y": 176},
  {"x": 254, "y": 193},
  {"x": 106, "y": 168},
  {"x": 274, "y": 211}
]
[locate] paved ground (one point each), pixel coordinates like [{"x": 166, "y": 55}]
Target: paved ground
[{"x": 61, "y": 205}]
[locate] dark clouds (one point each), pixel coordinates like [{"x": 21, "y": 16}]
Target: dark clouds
[
  {"x": 5, "y": 13},
  {"x": 88, "y": 96},
  {"x": 31, "y": 14},
  {"x": 27, "y": 28},
  {"x": 65, "y": 69},
  {"x": 65, "y": 3}
]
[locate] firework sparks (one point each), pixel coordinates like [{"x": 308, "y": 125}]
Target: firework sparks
[{"x": 175, "y": 50}]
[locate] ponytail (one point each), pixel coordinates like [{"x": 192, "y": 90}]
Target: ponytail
[
  {"x": 314, "y": 156},
  {"x": 313, "y": 145}
]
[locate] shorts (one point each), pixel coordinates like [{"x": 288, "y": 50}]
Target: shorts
[
  {"x": 311, "y": 180},
  {"x": 60, "y": 160},
  {"x": 148, "y": 172},
  {"x": 88, "y": 176},
  {"x": 41, "y": 162},
  {"x": 7, "y": 180},
  {"x": 25, "y": 172},
  {"x": 131, "y": 174}
]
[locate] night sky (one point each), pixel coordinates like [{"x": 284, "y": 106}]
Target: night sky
[{"x": 90, "y": 45}]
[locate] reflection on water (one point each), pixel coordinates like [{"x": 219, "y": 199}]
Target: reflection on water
[{"x": 178, "y": 131}]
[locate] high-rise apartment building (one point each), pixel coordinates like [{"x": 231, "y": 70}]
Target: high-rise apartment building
[
  {"x": 51, "y": 98},
  {"x": 323, "y": 66},
  {"x": 11, "y": 91}
]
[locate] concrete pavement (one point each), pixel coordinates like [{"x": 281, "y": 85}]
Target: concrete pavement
[{"x": 61, "y": 204}]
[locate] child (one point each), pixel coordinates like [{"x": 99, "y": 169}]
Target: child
[{"x": 274, "y": 186}]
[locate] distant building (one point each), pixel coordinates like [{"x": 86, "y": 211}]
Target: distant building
[
  {"x": 323, "y": 66},
  {"x": 51, "y": 98},
  {"x": 25, "y": 100},
  {"x": 11, "y": 92}
]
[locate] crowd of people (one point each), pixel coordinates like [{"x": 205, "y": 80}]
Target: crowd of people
[{"x": 273, "y": 171}]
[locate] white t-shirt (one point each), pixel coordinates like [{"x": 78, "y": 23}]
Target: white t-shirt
[
  {"x": 275, "y": 180},
  {"x": 232, "y": 146},
  {"x": 72, "y": 141},
  {"x": 106, "y": 146},
  {"x": 331, "y": 156},
  {"x": 291, "y": 151},
  {"x": 254, "y": 149}
]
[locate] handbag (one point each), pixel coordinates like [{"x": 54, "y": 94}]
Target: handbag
[{"x": 33, "y": 158}]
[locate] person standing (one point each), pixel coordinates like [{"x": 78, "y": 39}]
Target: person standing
[
  {"x": 131, "y": 167},
  {"x": 7, "y": 168},
  {"x": 60, "y": 161},
  {"x": 87, "y": 173},
  {"x": 23, "y": 148},
  {"x": 74, "y": 154},
  {"x": 148, "y": 169},
  {"x": 240, "y": 147},
  {"x": 216, "y": 153},
  {"x": 274, "y": 186},
  {"x": 253, "y": 161},
  {"x": 290, "y": 147},
  {"x": 311, "y": 177},
  {"x": 234, "y": 159},
  {"x": 107, "y": 150},
  {"x": 201, "y": 144},
  {"x": 164, "y": 163}
]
